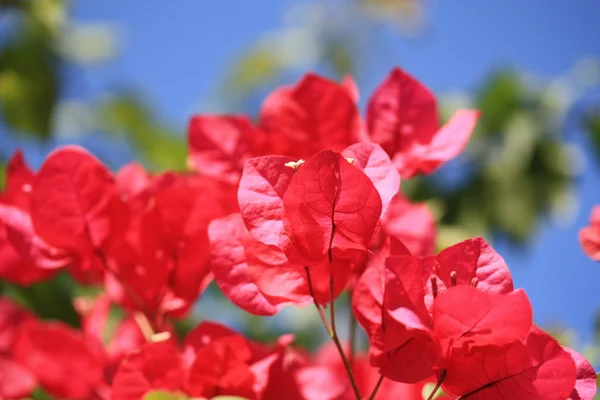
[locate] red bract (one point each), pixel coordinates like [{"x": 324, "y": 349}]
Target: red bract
[
  {"x": 60, "y": 359},
  {"x": 378, "y": 167},
  {"x": 164, "y": 258},
  {"x": 322, "y": 213},
  {"x": 219, "y": 145},
  {"x": 328, "y": 379},
  {"x": 75, "y": 206},
  {"x": 412, "y": 224},
  {"x": 15, "y": 381},
  {"x": 402, "y": 118},
  {"x": 223, "y": 362},
  {"x": 24, "y": 257},
  {"x": 465, "y": 319},
  {"x": 532, "y": 369},
  {"x": 19, "y": 178},
  {"x": 260, "y": 196},
  {"x": 12, "y": 317},
  {"x": 589, "y": 237},
  {"x": 409, "y": 349},
  {"x": 254, "y": 276},
  {"x": 332, "y": 208},
  {"x": 367, "y": 297},
  {"x": 586, "y": 384},
  {"x": 313, "y": 115},
  {"x": 474, "y": 262},
  {"x": 155, "y": 365}
]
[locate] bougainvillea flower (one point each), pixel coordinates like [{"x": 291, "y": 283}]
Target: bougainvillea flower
[
  {"x": 535, "y": 368},
  {"x": 589, "y": 237},
  {"x": 254, "y": 276},
  {"x": 165, "y": 256},
  {"x": 465, "y": 318},
  {"x": 75, "y": 205},
  {"x": 367, "y": 296},
  {"x": 220, "y": 144},
  {"x": 332, "y": 208},
  {"x": 394, "y": 304},
  {"x": 402, "y": 117},
  {"x": 313, "y": 115},
  {"x": 409, "y": 351},
  {"x": 24, "y": 257},
  {"x": 471, "y": 262},
  {"x": 321, "y": 213},
  {"x": 155, "y": 365},
  {"x": 225, "y": 362},
  {"x": 60, "y": 359}
]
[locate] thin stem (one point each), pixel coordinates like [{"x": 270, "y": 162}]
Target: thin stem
[
  {"x": 376, "y": 388},
  {"x": 437, "y": 385},
  {"x": 334, "y": 335},
  {"x": 316, "y": 303},
  {"x": 352, "y": 335}
]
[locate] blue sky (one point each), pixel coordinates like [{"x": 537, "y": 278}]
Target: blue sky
[{"x": 175, "y": 53}]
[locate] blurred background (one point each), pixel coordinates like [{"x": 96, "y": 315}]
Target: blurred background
[{"x": 122, "y": 78}]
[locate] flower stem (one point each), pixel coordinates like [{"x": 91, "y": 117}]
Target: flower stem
[
  {"x": 334, "y": 335},
  {"x": 352, "y": 335},
  {"x": 376, "y": 388},
  {"x": 331, "y": 329},
  {"x": 437, "y": 385}
]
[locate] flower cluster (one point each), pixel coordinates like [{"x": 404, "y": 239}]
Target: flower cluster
[{"x": 291, "y": 211}]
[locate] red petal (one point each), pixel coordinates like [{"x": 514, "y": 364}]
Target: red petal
[
  {"x": 401, "y": 113},
  {"x": 12, "y": 318},
  {"x": 472, "y": 259},
  {"x": 367, "y": 299},
  {"x": 534, "y": 369},
  {"x": 19, "y": 178},
  {"x": 15, "y": 381},
  {"x": 60, "y": 358},
  {"x": 332, "y": 206},
  {"x": 157, "y": 365},
  {"x": 28, "y": 258},
  {"x": 254, "y": 276},
  {"x": 378, "y": 167},
  {"x": 407, "y": 323},
  {"x": 315, "y": 114},
  {"x": 449, "y": 141},
  {"x": 586, "y": 385},
  {"x": 466, "y": 318},
  {"x": 260, "y": 196},
  {"x": 132, "y": 179},
  {"x": 589, "y": 237},
  {"x": 219, "y": 145},
  {"x": 75, "y": 204},
  {"x": 222, "y": 367},
  {"x": 411, "y": 224}
]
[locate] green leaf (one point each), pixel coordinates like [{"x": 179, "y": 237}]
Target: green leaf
[
  {"x": 164, "y": 395},
  {"x": 598, "y": 379}
]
